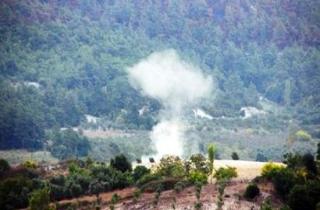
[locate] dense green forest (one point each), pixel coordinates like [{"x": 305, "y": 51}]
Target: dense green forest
[{"x": 60, "y": 60}]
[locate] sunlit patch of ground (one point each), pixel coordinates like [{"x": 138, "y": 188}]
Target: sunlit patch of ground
[{"x": 245, "y": 169}]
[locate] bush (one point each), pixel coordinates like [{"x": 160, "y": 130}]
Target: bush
[
  {"x": 299, "y": 199},
  {"x": 4, "y": 166},
  {"x": 270, "y": 169},
  {"x": 30, "y": 164},
  {"x": 147, "y": 178},
  {"x": 303, "y": 135},
  {"x": 313, "y": 188},
  {"x": 68, "y": 143},
  {"x": 309, "y": 163},
  {"x": 139, "y": 172},
  {"x": 171, "y": 166},
  {"x": 40, "y": 200},
  {"x": 235, "y": 156},
  {"x": 252, "y": 191},
  {"x": 121, "y": 163},
  {"x": 261, "y": 157},
  {"x": 161, "y": 184},
  {"x": 14, "y": 192},
  {"x": 283, "y": 181},
  {"x": 198, "y": 177},
  {"x": 225, "y": 173},
  {"x": 180, "y": 185},
  {"x": 293, "y": 161},
  {"x": 199, "y": 163}
]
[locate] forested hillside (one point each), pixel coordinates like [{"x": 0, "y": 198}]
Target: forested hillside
[{"x": 60, "y": 60}]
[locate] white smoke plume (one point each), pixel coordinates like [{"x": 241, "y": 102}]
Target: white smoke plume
[{"x": 176, "y": 84}]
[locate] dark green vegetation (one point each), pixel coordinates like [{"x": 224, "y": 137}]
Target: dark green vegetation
[
  {"x": 23, "y": 185},
  {"x": 27, "y": 184},
  {"x": 252, "y": 191},
  {"x": 298, "y": 183},
  {"x": 60, "y": 60}
]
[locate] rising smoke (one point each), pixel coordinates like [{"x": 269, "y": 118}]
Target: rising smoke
[{"x": 176, "y": 84}]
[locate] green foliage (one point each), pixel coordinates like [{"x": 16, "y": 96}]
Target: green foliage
[
  {"x": 303, "y": 135},
  {"x": 270, "y": 169},
  {"x": 4, "y": 166},
  {"x": 121, "y": 163},
  {"x": 40, "y": 200},
  {"x": 30, "y": 164},
  {"x": 115, "y": 198},
  {"x": 68, "y": 143},
  {"x": 310, "y": 164},
  {"x": 266, "y": 205},
  {"x": 14, "y": 192},
  {"x": 235, "y": 156},
  {"x": 252, "y": 191},
  {"x": 225, "y": 173},
  {"x": 198, "y": 177},
  {"x": 299, "y": 199},
  {"x": 136, "y": 195},
  {"x": 171, "y": 166},
  {"x": 212, "y": 149},
  {"x": 283, "y": 181},
  {"x": 180, "y": 185},
  {"x": 293, "y": 161},
  {"x": 199, "y": 163},
  {"x": 261, "y": 158},
  {"x": 139, "y": 172},
  {"x": 148, "y": 178}
]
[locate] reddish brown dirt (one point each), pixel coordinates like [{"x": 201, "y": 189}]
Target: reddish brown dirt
[{"x": 185, "y": 200}]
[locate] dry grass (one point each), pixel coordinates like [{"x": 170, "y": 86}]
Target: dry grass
[{"x": 245, "y": 169}]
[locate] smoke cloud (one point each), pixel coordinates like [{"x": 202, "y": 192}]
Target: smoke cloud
[{"x": 176, "y": 84}]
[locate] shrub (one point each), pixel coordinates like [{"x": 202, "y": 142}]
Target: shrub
[
  {"x": 180, "y": 185},
  {"x": 252, "y": 191},
  {"x": 139, "y": 172},
  {"x": 299, "y": 199},
  {"x": 115, "y": 198},
  {"x": 40, "y": 200},
  {"x": 270, "y": 169},
  {"x": 163, "y": 184},
  {"x": 4, "y": 166},
  {"x": 199, "y": 163},
  {"x": 30, "y": 164},
  {"x": 261, "y": 157},
  {"x": 293, "y": 161},
  {"x": 303, "y": 135},
  {"x": 121, "y": 163},
  {"x": 198, "y": 177},
  {"x": 266, "y": 205},
  {"x": 283, "y": 181},
  {"x": 14, "y": 192},
  {"x": 136, "y": 195},
  {"x": 235, "y": 156},
  {"x": 147, "y": 178},
  {"x": 225, "y": 173},
  {"x": 309, "y": 163},
  {"x": 171, "y": 166},
  {"x": 313, "y": 188},
  {"x": 151, "y": 160}
]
